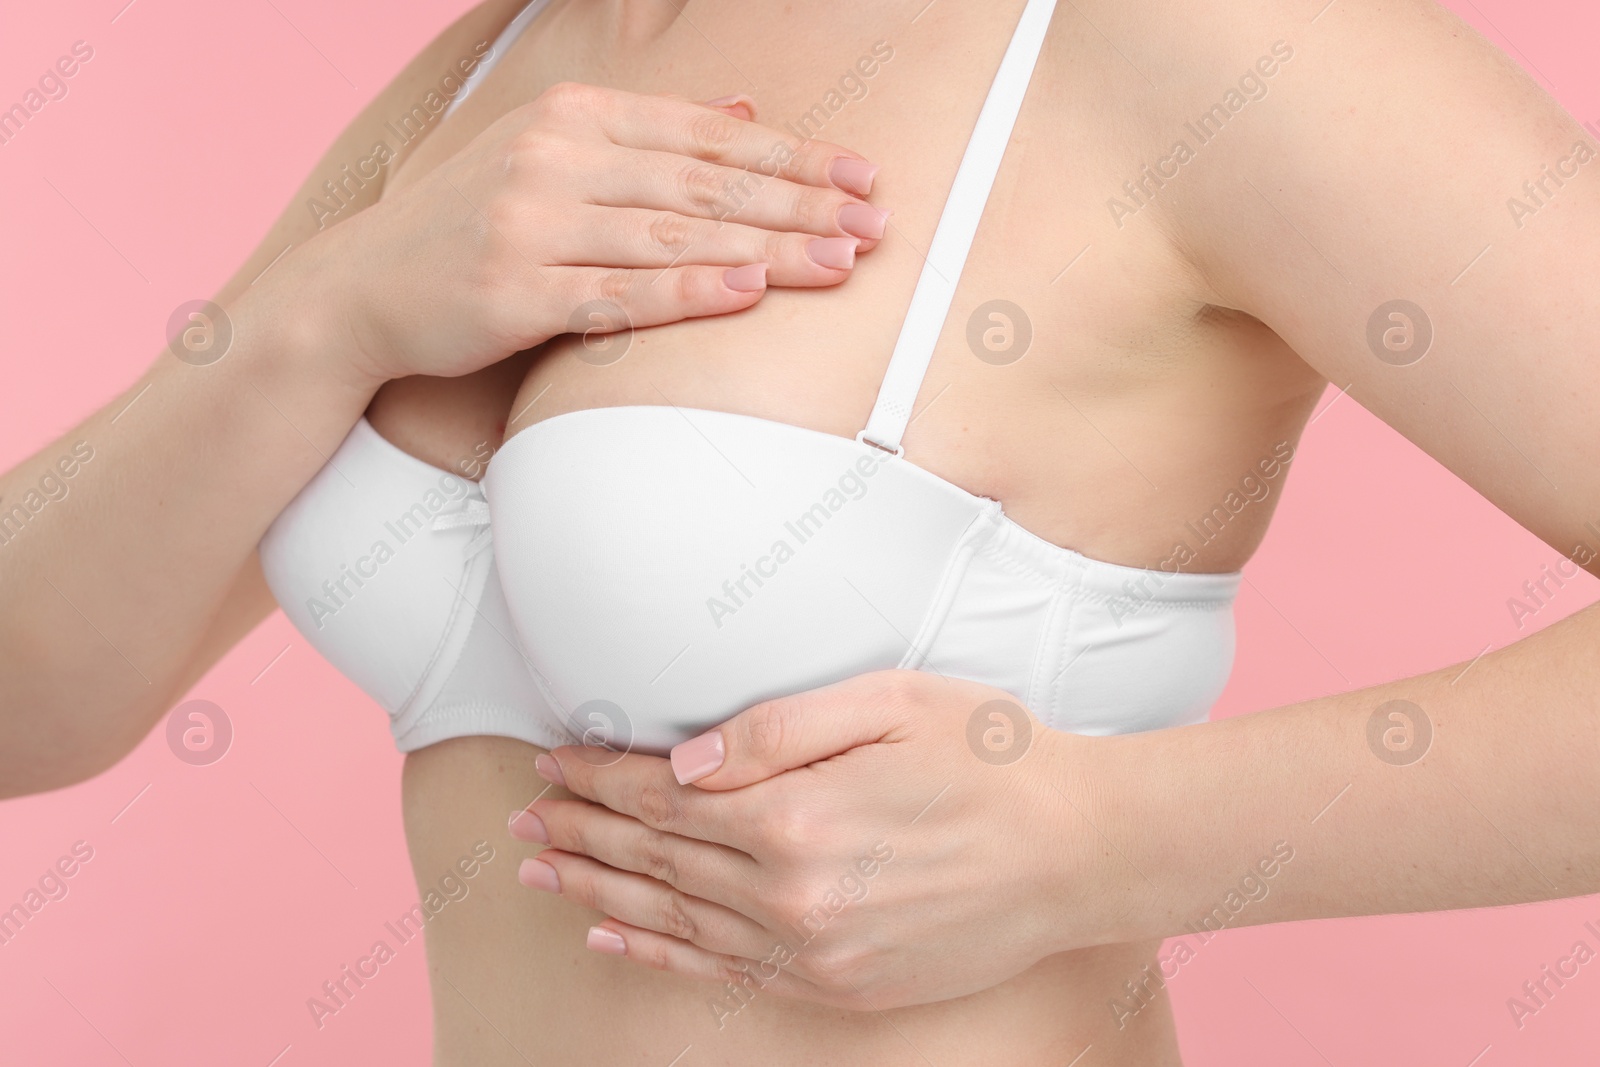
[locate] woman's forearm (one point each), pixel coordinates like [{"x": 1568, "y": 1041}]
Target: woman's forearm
[
  {"x": 120, "y": 540},
  {"x": 1482, "y": 788}
]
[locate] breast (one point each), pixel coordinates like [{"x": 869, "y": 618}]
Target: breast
[
  {"x": 382, "y": 564},
  {"x": 666, "y": 568}
]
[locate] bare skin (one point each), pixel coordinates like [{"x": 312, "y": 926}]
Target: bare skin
[{"x": 1139, "y": 406}]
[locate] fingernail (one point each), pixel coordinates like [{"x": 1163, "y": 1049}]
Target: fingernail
[
  {"x": 736, "y": 100},
  {"x": 608, "y": 941},
  {"x": 549, "y": 770},
  {"x": 526, "y": 826},
  {"x": 697, "y": 757},
  {"x": 836, "y": 252},
  {"x": 750, "y": 278},
  {"x": 863, "y": 220},
  {"x": 536, "y": 874},
  {"x": 853, "y": 175}
]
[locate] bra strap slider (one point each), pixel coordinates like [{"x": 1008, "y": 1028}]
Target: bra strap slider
[{"x": 896, "y": 450}]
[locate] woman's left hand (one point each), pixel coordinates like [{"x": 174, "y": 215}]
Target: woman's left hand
[{"x": 893, "y": 839}]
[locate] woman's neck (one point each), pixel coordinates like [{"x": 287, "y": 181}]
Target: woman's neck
[{"x": 636, "y": 21}]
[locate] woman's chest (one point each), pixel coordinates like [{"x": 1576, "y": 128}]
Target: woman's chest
[
  {"x": 901, "y": 83},
  {"x": 1062, "y": 299}
]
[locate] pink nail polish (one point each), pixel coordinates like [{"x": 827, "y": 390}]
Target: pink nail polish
[
  {"x": 698, "y": 757},
  {"x": 853, "y": 175},
  {"x": 863, "y": 220},
  {"x": 838, "y": 253},
  {"x": 536, "y": 874},
  {"x": 549, "y": 770},
  {"x": 750, "y": 278},
  {"x": 526, "y": 826},
  {"x": 730, "y": 101},
  {"x": 608, "y": 941}
]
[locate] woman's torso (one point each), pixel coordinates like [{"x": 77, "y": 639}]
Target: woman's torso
[{"x": 1136, "y": 412}]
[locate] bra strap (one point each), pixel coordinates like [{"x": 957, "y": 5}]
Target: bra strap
[
  {"x": 952, "y": 240},
  {"x": 502, "y": 44}
]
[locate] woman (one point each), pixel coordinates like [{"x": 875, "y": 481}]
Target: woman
[{"x": 1210, "y": 372}]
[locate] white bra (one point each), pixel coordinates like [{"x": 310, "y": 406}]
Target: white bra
[{"x": 636, "y": 575}]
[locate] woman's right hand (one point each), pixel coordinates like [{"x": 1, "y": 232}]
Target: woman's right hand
[{"x": 586, "y": 209}]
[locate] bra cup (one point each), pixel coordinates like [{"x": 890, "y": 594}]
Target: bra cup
[
  {"x": 1133, "y": 649},
  {"x": 998, "y": 623},
  {"x": 1088, "y": 646},
  {"x": 355, "y": 567},
  {"x": 365, "y": 564},
  {"x": 726, "y": 560},
  {"x": 1156, "y": 667},
  {"x": 490, "y": 689}
]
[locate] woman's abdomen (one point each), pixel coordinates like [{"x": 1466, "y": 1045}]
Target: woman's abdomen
[{"x": 512, "y": 982}]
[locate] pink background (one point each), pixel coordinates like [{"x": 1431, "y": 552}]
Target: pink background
[{"x": 220, "y": 898}]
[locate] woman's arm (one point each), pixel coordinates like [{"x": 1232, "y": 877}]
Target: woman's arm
[
  {"x": 1400, "y": 157},
  {"x": 1472, "y": 786}
]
